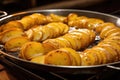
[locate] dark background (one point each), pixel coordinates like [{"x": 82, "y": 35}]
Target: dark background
[{"x": 105, "y": 6}]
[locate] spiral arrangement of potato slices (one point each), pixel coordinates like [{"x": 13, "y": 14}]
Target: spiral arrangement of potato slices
[
  {"x": 76, "y": 39},
  {"x": 51, "y": 30},
  {"x": 50, "y": 40},
  {"x": 29, "y": 21}
]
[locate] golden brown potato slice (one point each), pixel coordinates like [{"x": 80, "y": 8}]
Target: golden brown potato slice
[
  {"x": 55, "y": 18},
  {"x": 29, "y": 34},
  {"x": 64, "y": 41},
  {"x": 39, "y": 59},
  {"x": 87, "y": 59},
  {"x": 92, "y": 56},
  {"x": 37, "y": 34},
  {"x": 111, "y": 52},
  {"x": 106, "y": 29},
  {"x": 92, "y": 23},
  {"x": 112, "y": 31},
  {"x": 70, "y": 40},
  {"x": 31, "y": 49},
  {"x": 103, "y": 54},
  {"x": 11, "y": 33},
  {"x": 74, "y": 54},
  {"x": 72, "y": 16},
  {"x": 11, "y": 24},
  {"x": 39, "y": 18},
  {"x": 50, "y": 44},
  {"x": 110, "y": 56},
  {"x": 27, "y": 22},
  {"x": 58, "y": 57},
  {"x": 15, "y": 44},
  {"x": 79, "y": 22},
  {"x": 115, "y": 46},
  {"x": 98, "y": 54},
  {"x": 104, "y": 25}
]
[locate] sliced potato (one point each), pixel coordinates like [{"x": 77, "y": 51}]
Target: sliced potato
[
  {"x": 79, "y": 22},
  {"x": 92, "y": 56},
  {"x": 15, "y": 44},
  {"x": 39, "y": 59},
  {"x": 11, "y": 33},
  {"x": 58, "y": 57},
  {"x": 74, "y": 54},
  {"x": 112, "y": 31},
  {"x": 11, "y": 24},
  {"x": 29, "y": 34},
  {"x": 111, "y": 52},
  {"x": 92, "y": 23},
  {"x": 39, "y": 18},
  {"x": 103, "y": 54},
  {"x": 50, "y": 44},
  {"x": 55, "y": 18},
  {"x": 104, "y": 30},
  {"x": 31, "y": 49},
  {"x": 27, "y": 22}
]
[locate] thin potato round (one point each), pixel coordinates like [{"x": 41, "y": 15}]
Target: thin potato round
[
  {"x": 74, "y": 54},
  {"x": 58, "y": 57},
  {"x": 103, "y": 54},
  {"x": 92, "y": 55},
  {"x": 15, "y": 44},
  {"x": 39, "y": 59},
  {"x": 92, "y": 23},
  {"x": 104, "y": 25},
  {"x": 11, "y": 33},
  {"x": 112, "y": 31},
  {"x": 50, "y": 44},
  {"x": 12, "y": 24},
  {"x": 32, "y": 49},
  {"x": 111, "y": 51}
]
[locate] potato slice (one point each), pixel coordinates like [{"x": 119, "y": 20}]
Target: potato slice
[
  {"x": 92, "y": 23},
  {"x": 56, "y": 18},
  {"x": 79, "y": 22},
  {"x": 11, "y": 24},
  {"x": 104, "y": 25},
  {"x": 39, "y": 18},
  {"x": 98, "y": 54},
  {"x": 55, "y": 28},
  {"x": 58, "y": 57},
  {"x": 111, "y": 52},
  {"x": 15, "y": 44},
  {"x": 111, "y": 31},
  {"x": 104, "y": 30},
  {"x": 87, "y": 59},
  {"x": 74, "y": 54},
  {"x": 50, "y": 44},
  {"x": 46, "y": 33},
  {"x": 64, "y": 41},
  {"x": 27, "y": 22},
  {"x": 114, "y": 51},
  {"x": 115, "y": 46},
  {"x": 31, "y": 49},
  {"x": 71, "y": 41},
  {"x": 29, "y": 34},
  {"x": 37, "y": 34},
  {"x": 11, "y": 33},
  {"x": 92, "y": 56},
  {"x": 72, "y": 16},
  {"x": 39, "y": 59}
]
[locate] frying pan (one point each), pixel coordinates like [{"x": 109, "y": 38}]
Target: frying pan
[{"x": 61, "y": 69}]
